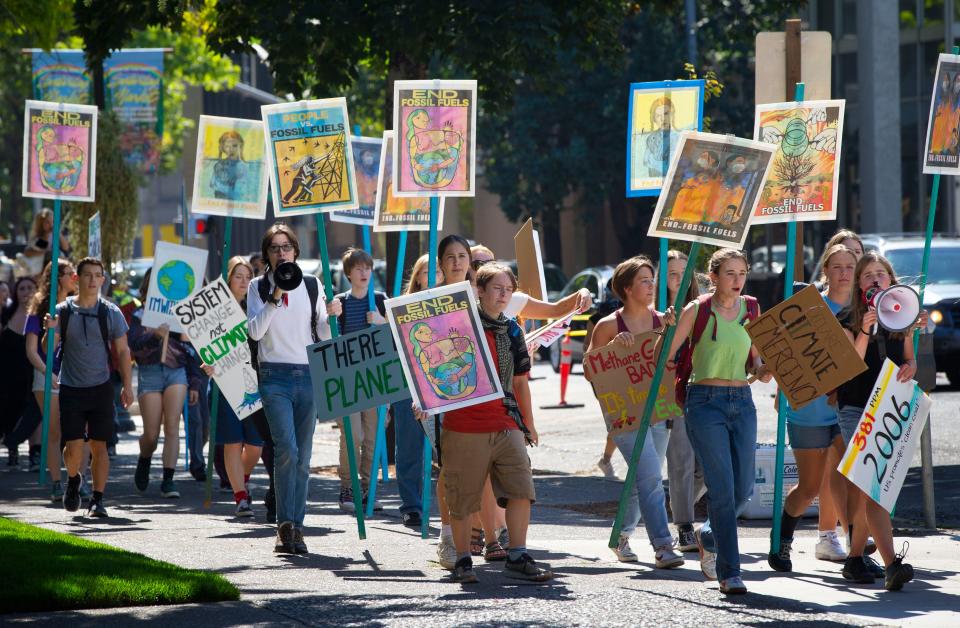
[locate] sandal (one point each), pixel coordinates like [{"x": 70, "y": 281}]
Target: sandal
[
  {"x": 494, "y": 551},
  {"x": 476, "y": 542}
]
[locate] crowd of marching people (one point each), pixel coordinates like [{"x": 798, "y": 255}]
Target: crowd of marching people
[{"x": 485, "y": 490}]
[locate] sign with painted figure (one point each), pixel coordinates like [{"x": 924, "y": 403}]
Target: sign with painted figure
[
  {"x": 178, "y": 273},
  {"x": 803, "y": 344},
  {"x": 61, "y": 76},
  {"x": 803, "y": 180},
  {"x": 712, "y": 189},
  {"x": 392, "y": 213},
  {"x": 443, "y": 350},
  {"x": 94, "y": 247},
  {"x": 133, "y": 85},
  {"x": 879, "y": 455},
  {"x": 217, "y": 328},
  {"x": 355, "y": 372},
  {"x": 59, "y": 151},
  {"x": 621, "y": 378},
  {"x": 366, "y": 160},
  {"x": 941, "y": 154},
  {"x": 658, "y": 113},
  {"x": 436, "y": 149},
  {"x": 311, "y": 163},
  {"x": 230, "y": 177}
]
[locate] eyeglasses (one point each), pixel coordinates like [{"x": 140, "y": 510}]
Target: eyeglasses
[
  {"x": 477, "y": 264},
  {"x": 276, "y": 248}
]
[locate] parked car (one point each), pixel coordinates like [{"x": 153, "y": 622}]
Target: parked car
[
  {"x": 129, "y": 273},
  {"x": 595, "y": 280},
  {"x": 552, "y": 275},
  {"x": 758, "y": 258}
]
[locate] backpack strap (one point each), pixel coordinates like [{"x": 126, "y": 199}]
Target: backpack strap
[
  {"x": 103, "y": 313},
  {"x": 263, "y": 288},
  {"x": 753, "y": 309},
  {"x": 313, "y": 289},
  {"x": 704, "y": 312},
  {"x": 64, "y": 323}
]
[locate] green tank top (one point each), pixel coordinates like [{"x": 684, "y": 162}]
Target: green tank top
[{"x": 725, "y": 357}]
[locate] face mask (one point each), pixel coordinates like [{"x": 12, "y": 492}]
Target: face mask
[
  {"x": 702, "y": 162},
  {"x": 737, "y": 168}
]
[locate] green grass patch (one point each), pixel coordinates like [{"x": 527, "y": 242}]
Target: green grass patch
[{"x": 56, "y": 571}]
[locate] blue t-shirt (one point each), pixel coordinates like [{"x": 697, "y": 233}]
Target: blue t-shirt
[
  {"x": 354, "y": 313},
  {"x": 817, "y": 413}
]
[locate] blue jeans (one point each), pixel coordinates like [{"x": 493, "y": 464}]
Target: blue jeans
[
  {"x": 409, "y": 456},
  {"x": 198, "y": 425},
  {"x": 646, "y": 495},
  {"x": 288, "y": 403},
  {"x": 722, "y": 426},
  {"x": 661, "y": 438}
]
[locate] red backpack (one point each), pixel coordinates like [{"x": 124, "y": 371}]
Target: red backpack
[{"x": 685, "y": 353}]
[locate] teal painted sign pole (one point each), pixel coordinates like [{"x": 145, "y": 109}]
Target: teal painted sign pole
[
  {"x": 184, "y": 218},
  {"x": 427, "y": 447},
  {"x": 48, "y": 373},
  {"x": 215, "y": 391}
]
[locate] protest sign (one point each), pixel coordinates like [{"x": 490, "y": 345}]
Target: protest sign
[
  {"x": 230, "y": 176},
  {"x": 803, "y": 179},
  {"x": 879, "y": 455},
  {"x": 61, "y": 76},
  {"x": 436, "y": 143},
  {"x": 658, "y": 113},
  {"x": 712, "y": 189},
  {"x": 548, "y": 334},
  {"x": 59, "y": 151},
  {"x": 941, "y": 154},
  {"x": 177, "y": 274},
  {"x": 356, "y": 372},
  {"x": 308, "y": 152},
  {"x": 621, "y": 378},
  {"x": 366, "y": 160},
  {"x": 443, "y": 349},
  {"x": 804, "y": 346},
  {"x": 93, "y": 236},
  {"x": 526, "y": 245},
  {"x": 132, "y": 82},
  {"x": 217, "y": 328},
  {"x": 392, "y": 213}
]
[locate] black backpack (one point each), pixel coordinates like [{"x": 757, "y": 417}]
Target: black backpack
[
  {"x": 102, "y": 315},
  {"x": 263, "y": 290}
]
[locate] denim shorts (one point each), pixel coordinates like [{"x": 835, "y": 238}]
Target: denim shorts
[
  {"x": 812, "y": 436},
  {"x": 157, "y": 378},
  {"x": 231, "y": 430},
  {"x": 849, "y": 417}
]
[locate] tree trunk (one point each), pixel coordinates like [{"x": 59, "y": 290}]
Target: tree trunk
[{"x": 552, "y": 251}]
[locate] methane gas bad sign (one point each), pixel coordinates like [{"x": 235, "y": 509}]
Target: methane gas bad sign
[
  {"x": 804, "y": 346},
  {"x": 356, "y": 372}
]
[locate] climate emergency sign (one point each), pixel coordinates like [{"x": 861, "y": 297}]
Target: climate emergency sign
[{"x": 804, "y": 346}]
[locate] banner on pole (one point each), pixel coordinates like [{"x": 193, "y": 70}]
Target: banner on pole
[
  {"x": 366, "y": 159},
  {"x": 308, "y": 150},
  {"x": 230, "y": 176},
  {"x": 712, "y": 189},
  {"x": 879, "y": 455},
  {"x": 94, "y": 247},
  {"x": 59, "y": 151},
  {"x": 61, "y": 76},
  {"x": 526, "y": 246},
  {"x": 133, "y": 82},
  {"x": 392, "y": 213},
  {"x": 436, "y": 149},
  {"x": 443, "y": 349},
  {"x": 803, "y": 344},
  {"x": 941, "y": 153},
  {"x": 217, "y": 328},
  {"x": 658, "y": 113},
  {"x": 356, "y": 372},
  {"x": 177, "y": 275}
]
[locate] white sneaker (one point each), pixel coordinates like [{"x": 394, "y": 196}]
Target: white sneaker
[
  {"x": 623, "y": 551},
  {"x": 829, "y": 548},
  {"x": 447, "y": 553},
  {"x": 667, "y": 558},
  {"x": 606, "y": 466},
  {"x": 708, "y": 560}
]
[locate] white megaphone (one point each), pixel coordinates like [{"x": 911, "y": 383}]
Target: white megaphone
[{"x": 898, "y": 308}]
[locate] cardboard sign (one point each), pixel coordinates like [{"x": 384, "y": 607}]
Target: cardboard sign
[
  {"x": 805, "y": 347},
  {"x": 658, "y": 113},
  {"x": 549, "y": 333},
  {"x": 436, "y": 147},
  {"x": 366, "y": 160},
  {"x": 94, "y": 247},
  {"x": 59, "y": 151},
  {"x": 178, "y": 273},
  {"x": 771, "y": 75},
  {"x": 712, "y": 189},
  {"x": 355, "y": 372},
  {"x": 621, "y": 379},
  {"x": 941, "y": 154},
  {"x": 443, "y": 349},
  {"x": 806, "y": 167},
  {"x": 399, "y": 214},
  {"x": 526, "y": 244},
  {"x": 217, "y": 328},
  {"x": 230, "y": 177},
  {"x": 308, "y": 150},
  {"x": 879, "y": 455}
]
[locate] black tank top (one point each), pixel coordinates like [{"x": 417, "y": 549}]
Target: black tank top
[{"x": 857, "y": 391}]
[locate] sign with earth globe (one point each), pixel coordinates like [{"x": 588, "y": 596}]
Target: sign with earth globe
[{"x": 178, "y": 274}]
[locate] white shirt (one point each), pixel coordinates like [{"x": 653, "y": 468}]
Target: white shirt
[
  {"x": 283, "y": 331},
  {"x": 518, "y": 301}
]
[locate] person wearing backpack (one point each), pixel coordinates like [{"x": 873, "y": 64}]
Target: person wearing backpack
[
  {"x": 86, "y": 327},
  {"x": 721, "y": 419},
  {"x": 283, "y": 324}
]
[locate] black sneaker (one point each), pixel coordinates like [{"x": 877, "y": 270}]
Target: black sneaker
[
  {"x": 13, "y": 460},
  {"x": 899, "y": 572},
  {"x": 168, "y": 488},
  {"x": 141, "y": 477},
  {"x": 284, "y": 544},
  {"x": 270, "y": 502},
  {"x": 199, "y": 474},
  {"x": 874, "y": 567},
  {"x": 463, "y": 571},
  {"x": 781, "y": 560},
  {"x": 346, "y": 499},
  {"x": 95, "y": 509},
  {"x": 686, "y": 542},
  {"x": 71, "y": 496},
  {"x": 299, "y": 545},
  {"x": 525, "y": 568},
  {"x": 855, "y": 570},
  {"x": 412, "y": 519}
]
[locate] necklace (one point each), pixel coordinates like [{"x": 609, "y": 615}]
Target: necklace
[{"x": 736, "y": 304}]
